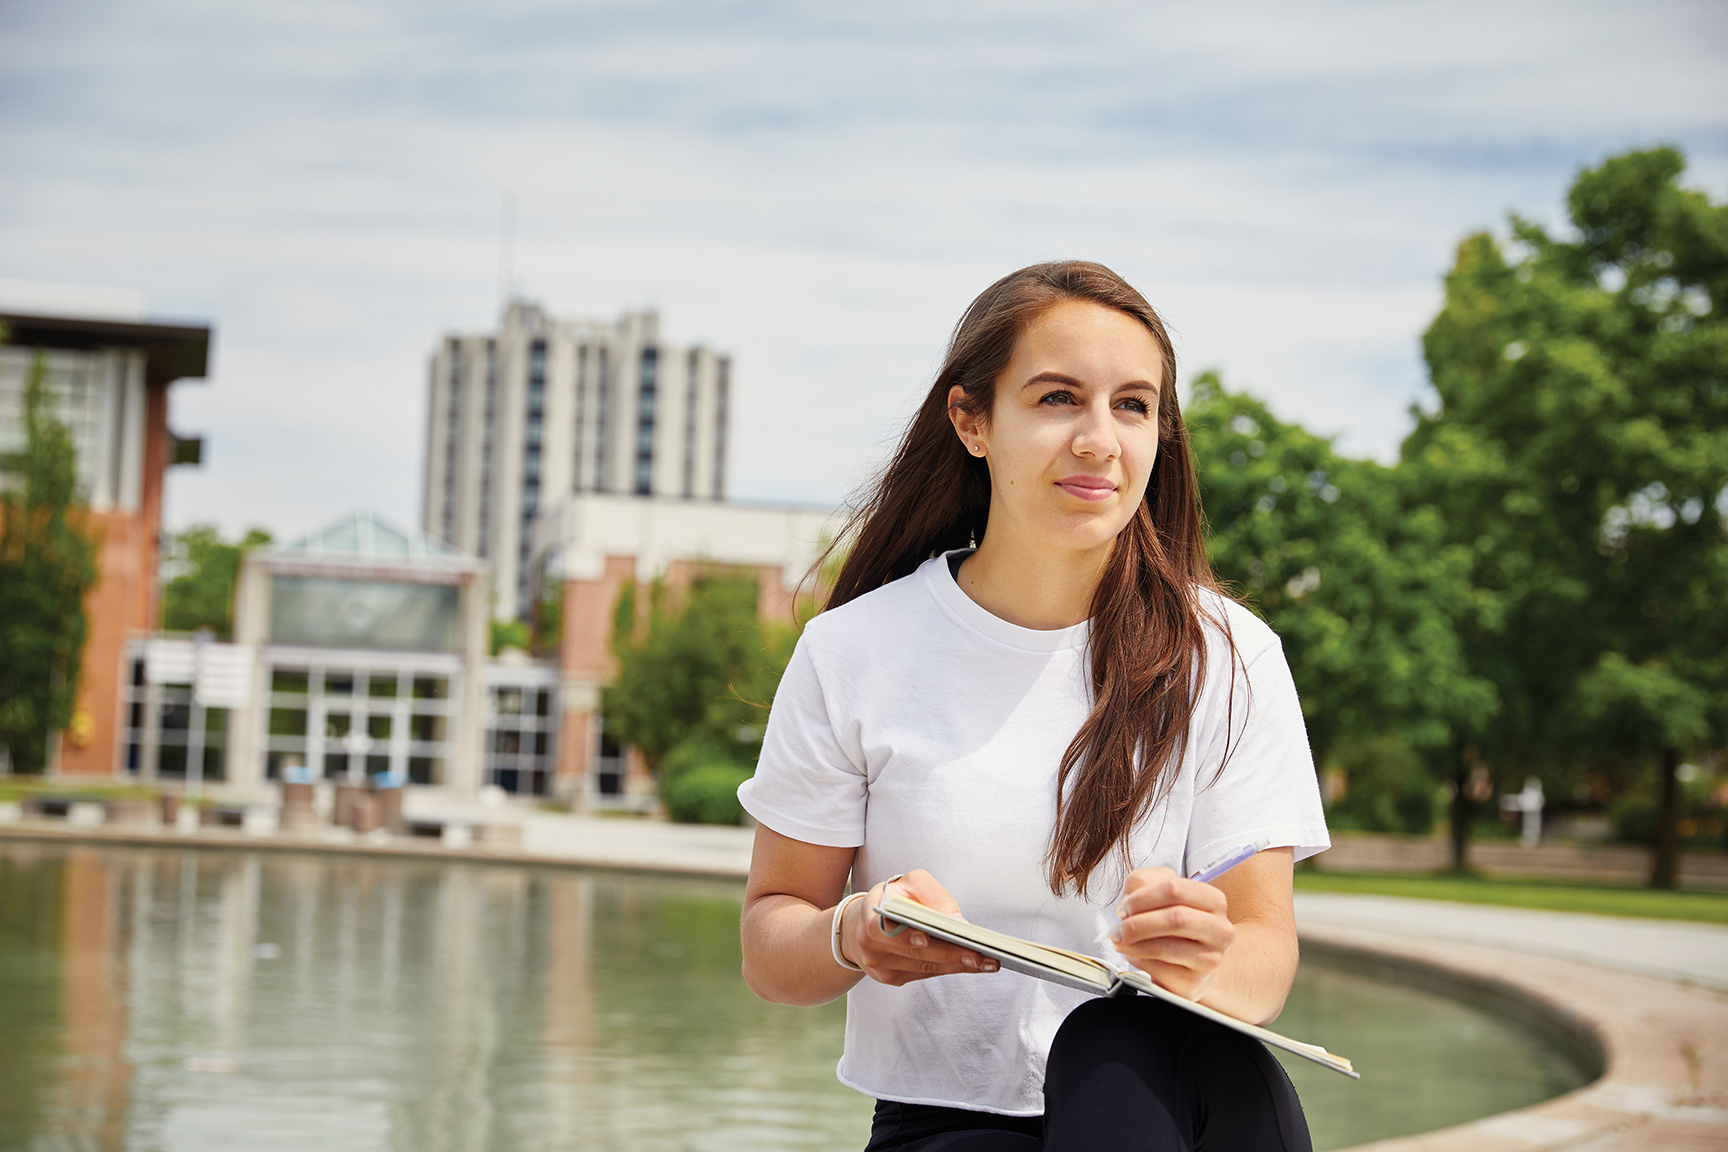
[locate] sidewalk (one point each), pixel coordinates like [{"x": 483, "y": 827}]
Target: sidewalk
[
  {"x": 714, "y": 850},
  {"x": 1667, "y": 949}
]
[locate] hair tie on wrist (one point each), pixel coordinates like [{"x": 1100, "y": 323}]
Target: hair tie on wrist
[
  {"x": 882, "y": 921},
  {"x": 834, "y": 935}
]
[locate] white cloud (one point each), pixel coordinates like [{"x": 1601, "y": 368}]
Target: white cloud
[{"x": 819, "y": 189}]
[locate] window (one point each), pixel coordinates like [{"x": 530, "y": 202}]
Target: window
[
  {"x": 425, "y": 769},
  {"x": 283, "y": 721},
  {"x": 485, "y": 543},
  {"x": 722, "y": 382},
  {"x": 609, "y": 771},
  {"x": 78, "y": 386},
  {"x": 692, "y": 366},
  {"x": 426, "y": 729},
  {"x": 581, "y": 401},
  {"x": 602, "y": 419},
  {"x": 531, "y": 448},
  {"x": 521, "y": 734},
  {"x": 289, "y": 681},
  {"x": 452, "y": 438},
  {"x": 167, "y": 729},
  {"x": 646, "y": 398},
  {"x": 348, "y": 724},
  {"x": 353, "y": 613}
]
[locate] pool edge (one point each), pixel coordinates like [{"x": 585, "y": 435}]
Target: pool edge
[{"x": 1662, "y": 1046}]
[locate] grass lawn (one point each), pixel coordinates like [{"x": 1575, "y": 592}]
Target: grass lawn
[
  {"x": 24, "y": 787},
  {"x": 1608, "y": 899}
]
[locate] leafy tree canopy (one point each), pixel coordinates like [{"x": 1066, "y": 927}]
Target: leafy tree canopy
[
  {"x": 1355, "y": 578},
  {"x": 696, "y": 672},
  {"x": 509, "y": 634},
  {"x": 201, "y": 595},
  {"x": 1580, "y": 451}
]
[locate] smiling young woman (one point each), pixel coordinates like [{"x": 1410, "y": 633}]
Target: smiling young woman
[
  {"x": 1070, "y": 440},
  {"x": 1028, "y": 700}
]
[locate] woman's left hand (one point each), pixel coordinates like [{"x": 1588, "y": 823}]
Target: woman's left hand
[{"x": 1174, "y": 929}]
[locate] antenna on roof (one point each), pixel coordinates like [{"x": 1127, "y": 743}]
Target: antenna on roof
[{"x": 507, "y": 253}]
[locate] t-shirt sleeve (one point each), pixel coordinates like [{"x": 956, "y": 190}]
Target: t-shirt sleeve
[
  {"x": 1267, "y": 788},
  {"x": 807, "y": 786}
]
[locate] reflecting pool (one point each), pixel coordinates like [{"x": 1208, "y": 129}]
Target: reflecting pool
[{"x": 157, "y": 998}]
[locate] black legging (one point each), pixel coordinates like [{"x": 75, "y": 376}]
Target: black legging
[{"x": 1132, "y": 1074}]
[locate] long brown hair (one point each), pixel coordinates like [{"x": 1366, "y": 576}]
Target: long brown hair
[{"x": 1146, "y": 643}]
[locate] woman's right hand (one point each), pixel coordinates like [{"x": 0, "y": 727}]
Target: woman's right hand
[{"x": 910, "y": 955}]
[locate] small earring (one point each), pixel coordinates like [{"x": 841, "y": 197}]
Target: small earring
[{"x": 977, "y": 449}]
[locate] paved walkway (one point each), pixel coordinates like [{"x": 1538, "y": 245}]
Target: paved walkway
[
  {"x": 1667, "y": 949},
  {"x": 628, "y": 843}
]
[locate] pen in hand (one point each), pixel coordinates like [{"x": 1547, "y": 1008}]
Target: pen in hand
[
  {"x": 1213, "y": 871},
  {"x": 1241, "y": 855}
]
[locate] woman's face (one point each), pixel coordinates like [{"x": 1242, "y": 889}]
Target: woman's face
[{"x": 1073, "y": 431}]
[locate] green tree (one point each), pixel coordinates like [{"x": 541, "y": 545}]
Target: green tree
[
  {"x": 509, "y": 634},
  {"x": 549, "y": 615},
  {"x": 202, "y": 594},
  {"x": 47, "y": 565},
  {"x": 1360, "y": 586},
  {"x": 1580, "y": 451},
  {"x": 695, "y": 675}
]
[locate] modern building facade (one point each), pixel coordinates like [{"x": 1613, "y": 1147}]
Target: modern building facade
[
  {"x": 592, "y": 544},
  {"x": 109, "y": 376},
  {"x": 544, "y": 408},
  {"x": 360, "y": 654},
  {"x": 368, "y": 647}
]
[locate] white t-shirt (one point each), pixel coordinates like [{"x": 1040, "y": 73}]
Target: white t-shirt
[{"x": 917, "y": 726}]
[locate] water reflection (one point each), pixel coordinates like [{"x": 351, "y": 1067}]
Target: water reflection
[{"x": 157, "y": 998}]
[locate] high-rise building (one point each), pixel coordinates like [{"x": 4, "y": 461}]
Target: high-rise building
[{"x": 543, "y": 408}]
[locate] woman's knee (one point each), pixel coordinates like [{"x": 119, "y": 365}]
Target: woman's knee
[
  {"x": 1137, "y": 1063},
  {"x": 1114, "y": 1029},
  {"x": 1118, "y": 1040}
]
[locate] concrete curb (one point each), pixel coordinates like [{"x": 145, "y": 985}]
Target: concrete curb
[{"x": 402, "y": 847}]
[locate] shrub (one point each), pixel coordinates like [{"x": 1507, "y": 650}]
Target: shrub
[
  {"x": 1388, "y": 790},
  {"x": 1700, "y": 824},
  {"x": 1634, "y": 819},
  {"x": 706, "y": 795},
  {"x": 698, "y": 752}
]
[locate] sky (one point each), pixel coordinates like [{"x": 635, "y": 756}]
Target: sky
[{"x": 817, "y": 189}]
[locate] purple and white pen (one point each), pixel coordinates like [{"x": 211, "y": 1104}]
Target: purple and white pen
[{"x": 1207, "y": 875}]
